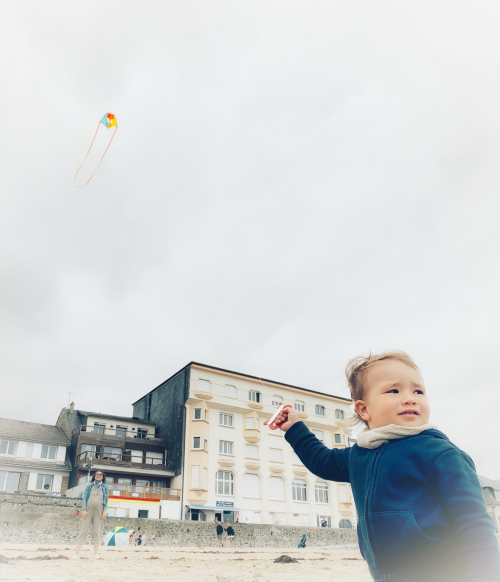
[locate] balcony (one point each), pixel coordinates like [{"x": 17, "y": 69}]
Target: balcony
[
  {"x": 125, "y": 460},
  {"x": 135, "y": 491},
  {"x": 112, "y": 434}
]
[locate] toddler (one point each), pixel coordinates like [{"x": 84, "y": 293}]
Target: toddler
[{"x": 421, "y": 513}]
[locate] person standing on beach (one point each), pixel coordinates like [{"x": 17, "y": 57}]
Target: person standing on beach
[
  {"x": 220, "y": 531},
  {"x": 230, "y": 534},
  {"x": 94, "y": 504},
  {"x": 144, "y": 538}
]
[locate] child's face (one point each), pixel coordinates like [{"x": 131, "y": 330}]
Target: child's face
[{"x": 394, "y": 394}]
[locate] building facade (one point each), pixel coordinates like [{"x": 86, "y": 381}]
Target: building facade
[
  {"x": 133, "y": 456},
  {"x": 491, "y": 494},
  {"x": 33, "y": 458},
  {"x": 232, "y": 467}
]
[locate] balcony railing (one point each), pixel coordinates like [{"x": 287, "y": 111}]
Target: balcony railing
[
  {"x": 124, "y": 460},
  {"x": 117, "y": 490},
  {"x": 118, "y": 432}
]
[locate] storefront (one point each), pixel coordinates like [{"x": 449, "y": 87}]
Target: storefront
[{"x": 223, "y": 511}]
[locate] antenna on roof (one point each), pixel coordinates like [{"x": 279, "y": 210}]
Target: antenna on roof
[{"x": 69, "y": 397}]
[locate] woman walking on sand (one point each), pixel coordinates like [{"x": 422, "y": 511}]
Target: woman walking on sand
[{"x": 94, "y": 504}]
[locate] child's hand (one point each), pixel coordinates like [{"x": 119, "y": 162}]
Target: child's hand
[{"x": 287, "y": 417}]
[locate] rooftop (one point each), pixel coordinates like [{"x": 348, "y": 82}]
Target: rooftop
[
  {"x": 262, "y": 380},
  {"x": 22, "y": 430},
  {"x": 494, "y": 484},
  {"x": 112, "y": 417}
]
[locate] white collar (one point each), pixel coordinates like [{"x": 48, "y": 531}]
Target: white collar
[{"x": 371, "y": 439}]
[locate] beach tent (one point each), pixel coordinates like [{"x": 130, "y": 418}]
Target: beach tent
[{"x": 117, "y": 537}]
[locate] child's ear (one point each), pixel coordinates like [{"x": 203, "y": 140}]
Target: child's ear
[{"x": 360, "y": 408}]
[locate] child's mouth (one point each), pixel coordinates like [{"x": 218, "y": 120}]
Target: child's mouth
[{"x": 408, "y": 412}]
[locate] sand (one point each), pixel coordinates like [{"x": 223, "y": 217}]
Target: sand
[{"x": 151, "y": 564}]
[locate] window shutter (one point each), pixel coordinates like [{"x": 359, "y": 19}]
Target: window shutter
[
  {"x": 56, "y": 483},
  {"x": 32, "y": 481},
  {"x": 37, "y": 450},
  {"x": 251, "y": 485},
  {"x": 276, "y": 488},
  {"x": 61, "y": 454},
  {"x": 21, "y": 449}
]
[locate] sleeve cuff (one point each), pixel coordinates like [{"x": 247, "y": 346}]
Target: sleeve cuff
[{"x": 296, "y": 432}]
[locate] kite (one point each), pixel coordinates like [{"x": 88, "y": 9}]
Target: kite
[{"x": 104, "y": 134}]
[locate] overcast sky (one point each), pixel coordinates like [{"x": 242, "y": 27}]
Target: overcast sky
[{"x": 291, "y": 184}]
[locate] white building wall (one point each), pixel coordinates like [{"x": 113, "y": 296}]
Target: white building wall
[{"x": 269, "y": 509}]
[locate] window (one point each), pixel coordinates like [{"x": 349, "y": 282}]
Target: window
[
  {"x": 142, "y": 433},
  {"x": 124, "y": 481},
  {"x": 254, "y": 396},
  {"x": 497, "y": 494},
  {"x": 48, "y": 452},
  {"x": 230, "y": 391},
  {"x": 141, "y": 483},
  {"x": 249, "y": 422},
  {"x": 339, "y": 414},
  {"x": 157, "y": 483},
  {"x": 196, "y": 442},
  {"x": 277, "y": 518},
  {"x": 338, "y": 439},
  {"x": 203, "y": 386},
  {"x": 276, "y": 455},
  {"x": 195, "y": 476},
  {"x": 205, "y": 478},
  {"x": 9, "y": 482},
  {"x": 299, "y": 406},
  {"x": 276, "y": 488},
  {"x": 321, "y": 492},
  {"x": 197, "y": 414},
  {"x": 206, "y": 414},
  {"x": 276, "y": 400},
  {"x": 343, "y": 493},
  {"x": 320, "y": 410},
  {"x": 224, "y": 483},
  {"x": 110, "y": 479},
  {"x": 296, "y": 460},
  {"x": 319, "y": 434},
  {"x": 114, "y": 454},
  {"x": 299, "y": 490},
  {"x": 90, "y": 450},
  {"x": 225, "y": 419},
  {"x": 251, "y": 485},
  {"x": 143, "y": 513},
  {"x": 85, "y": 478},
  {"x": 300, "y": 519},
  {"x": 226, "y": 447},
  {"x": 44, "y": 482},
  {"x": 121, "y": 431},
  {"x": 323, "y": 521},
  {"x": 111, "y": 512},
  {"x": 99, "y": 428},
  {"x": 195, "y": 515},
  {"x": 205, "y": 444},
  {"x": 252, "y": 451},
  {"x": 8, "y": 447},
  {"x": 345, "y": 524}
]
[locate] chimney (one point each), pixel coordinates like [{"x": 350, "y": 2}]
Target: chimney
[{"x": 72, "y": 408}]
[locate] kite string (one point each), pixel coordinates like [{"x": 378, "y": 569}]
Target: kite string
[
  {"x": 98, "y": 126},
  {"x": 89, "y": 150},
  {"x": 102, "y": 155}
]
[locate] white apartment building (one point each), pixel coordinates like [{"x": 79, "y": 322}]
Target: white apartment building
[
  {"x": 234, "y": 467},
  {"x": 33, "y": 458}
]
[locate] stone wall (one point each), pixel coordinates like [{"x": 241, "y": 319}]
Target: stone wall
[{"x": 26, "y": 519}]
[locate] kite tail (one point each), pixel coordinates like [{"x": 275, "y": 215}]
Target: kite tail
[{"x": 99, "y": 160}]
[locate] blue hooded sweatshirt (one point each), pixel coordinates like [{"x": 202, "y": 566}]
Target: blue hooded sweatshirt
[{"x": 421, "y": 512}]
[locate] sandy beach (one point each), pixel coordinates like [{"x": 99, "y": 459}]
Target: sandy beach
[{"x": 150, "y": 564}]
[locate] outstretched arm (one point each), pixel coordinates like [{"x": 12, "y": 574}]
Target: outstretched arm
[{"x": 330, "y": 464}]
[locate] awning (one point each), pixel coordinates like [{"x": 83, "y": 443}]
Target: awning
[{"x": 214, "y": 508}]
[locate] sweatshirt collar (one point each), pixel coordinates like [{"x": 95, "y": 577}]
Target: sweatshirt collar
[{"x": 371, "y": 439}]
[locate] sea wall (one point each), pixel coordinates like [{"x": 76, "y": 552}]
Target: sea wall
[{"x": 33, "y": 519}]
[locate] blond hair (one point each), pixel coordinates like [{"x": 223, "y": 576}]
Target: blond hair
[{"x": 356, "y": 371}]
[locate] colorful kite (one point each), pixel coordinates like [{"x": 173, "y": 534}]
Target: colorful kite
[{"x": 103, "y": 137}]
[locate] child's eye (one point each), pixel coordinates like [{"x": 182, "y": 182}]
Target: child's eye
[
  {"x": 393, "y": 391},
  {"x": 419, "y": 391}
]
